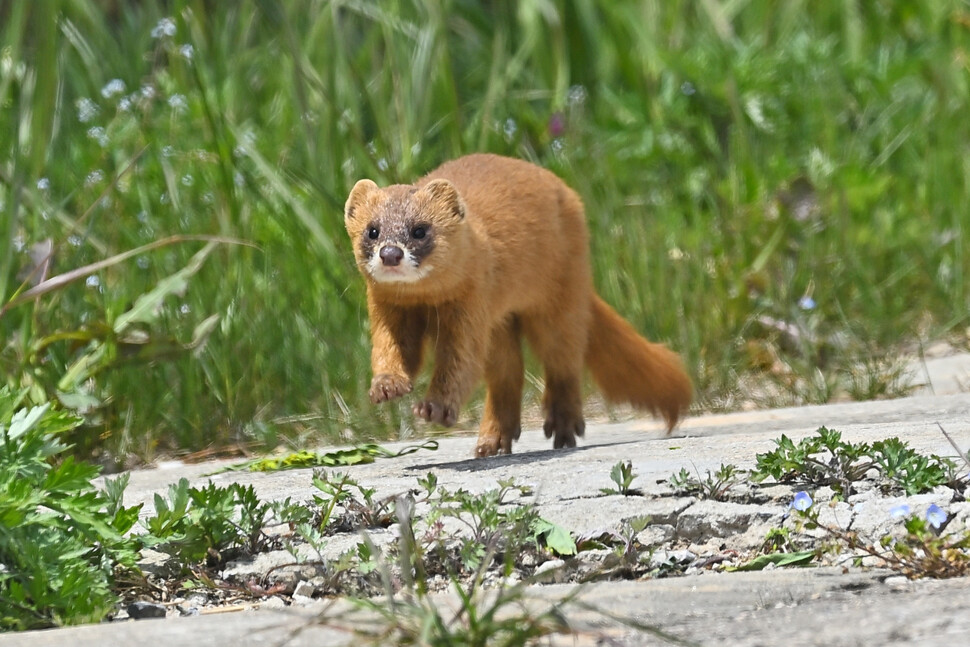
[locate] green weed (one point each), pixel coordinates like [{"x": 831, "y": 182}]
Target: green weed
[
  {"x": 62, "y": 541},
  {"x": 910, "y": 470},
  {"x": 361, "y": 509},
  {"x": 487, "y": 519},
  {"x": 410, "y": 615},
  {"x": 364, "y": 453},
  {"x": 714, "y": 486},
  {"x": 823, "y": 459},
  {"x": 212, "y": 523},
  {"x": 826, "y": 459},
  {"x": 623, "y": 475}
]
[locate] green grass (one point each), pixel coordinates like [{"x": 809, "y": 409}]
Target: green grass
[{"x": 734, "y": 157}]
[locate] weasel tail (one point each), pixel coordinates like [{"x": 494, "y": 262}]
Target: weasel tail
[{"x": 628, "y": 368}]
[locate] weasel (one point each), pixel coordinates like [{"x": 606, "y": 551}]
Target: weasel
[{"x": 478, "y": 254}]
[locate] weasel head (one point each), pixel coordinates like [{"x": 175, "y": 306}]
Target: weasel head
[{"x": 402, "y": 234}]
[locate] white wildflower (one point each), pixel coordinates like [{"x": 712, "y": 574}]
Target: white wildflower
[
  {"x": 164, "y": 27},
  {"x": 113, "y": 87},
  {"x": 86, "y": 110},
  {"x": 178, "y": 103},
  {"x": 95, "y": 176},
  {"x": 98, "y": 134}
]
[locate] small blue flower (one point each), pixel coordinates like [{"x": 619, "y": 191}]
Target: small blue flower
[
  {"x": 935, "y": 516},
  {"x": 802, "y": 501},
  {"x": 806, "y": 303},
  {"x": 899, "y": 511}
]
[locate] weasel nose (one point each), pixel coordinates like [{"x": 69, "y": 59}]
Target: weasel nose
[{"x": 391, "y": 255}]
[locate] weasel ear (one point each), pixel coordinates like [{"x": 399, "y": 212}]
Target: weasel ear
[
  {"x": 444, "y": 195},
  {"x": 358, "y": 194}
]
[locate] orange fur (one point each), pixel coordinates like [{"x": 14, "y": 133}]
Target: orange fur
[{"x": 481, "y": 252}]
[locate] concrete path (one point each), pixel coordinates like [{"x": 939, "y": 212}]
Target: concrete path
[
  {"x": 792, "y": 607},
  {"x": 784, "y": 607}
]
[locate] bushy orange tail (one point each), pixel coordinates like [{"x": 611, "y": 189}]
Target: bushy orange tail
[{"x": 628, "y": 368}]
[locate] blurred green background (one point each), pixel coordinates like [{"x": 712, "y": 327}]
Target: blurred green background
[{"x": 778, "y": 190}]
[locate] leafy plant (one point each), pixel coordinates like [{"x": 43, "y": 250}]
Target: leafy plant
[
  {"x": 211, "y": 522},
  {"x": 910, "y": 470},
  {"x": 623, "y": 540},
  {"x": 823, "y": 459},
  {"x": 361, "y": 509},
  {"x": 826, "y": 459},
  {"x": 61, "y": 540},
  {"x": 628, "y": 549},
  {"x": 713, "y": 486},
  {"x": 487, "y": 517},
  {"x": 777, "y": 540},
  {"x": 623, "y": 475},
  {"x": 553, "y": 536},
  {"x": 487, "y": 525},
  {"x": 107, "y": 345}
]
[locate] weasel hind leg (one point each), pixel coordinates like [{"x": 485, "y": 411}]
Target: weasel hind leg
[{"x": 559, "y": 340}]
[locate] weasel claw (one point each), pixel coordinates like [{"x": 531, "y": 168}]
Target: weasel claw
[
  {"x": 434, "y": 411},
  {"x": 386, "y": 387}
]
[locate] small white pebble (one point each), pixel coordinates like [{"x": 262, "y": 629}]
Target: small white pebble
[{"x": 897, "y": 582}]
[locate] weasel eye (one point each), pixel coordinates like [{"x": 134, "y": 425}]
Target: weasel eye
[
  {"x": 373, "y": 233},
  {"x": 419, "y": 232}
]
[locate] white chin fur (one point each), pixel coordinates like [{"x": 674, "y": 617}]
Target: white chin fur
[{"x": 407, "y": 272}]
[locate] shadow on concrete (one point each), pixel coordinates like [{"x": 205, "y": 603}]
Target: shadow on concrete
[{"x": 504, "y": 460}]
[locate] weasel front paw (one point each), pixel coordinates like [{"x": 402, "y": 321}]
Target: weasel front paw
[
  {"x": 436, "y": 411},
  {"x": 387, "y": 387}
]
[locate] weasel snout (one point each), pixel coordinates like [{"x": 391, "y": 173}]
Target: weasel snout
[{"x": 391, "y": 255}]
